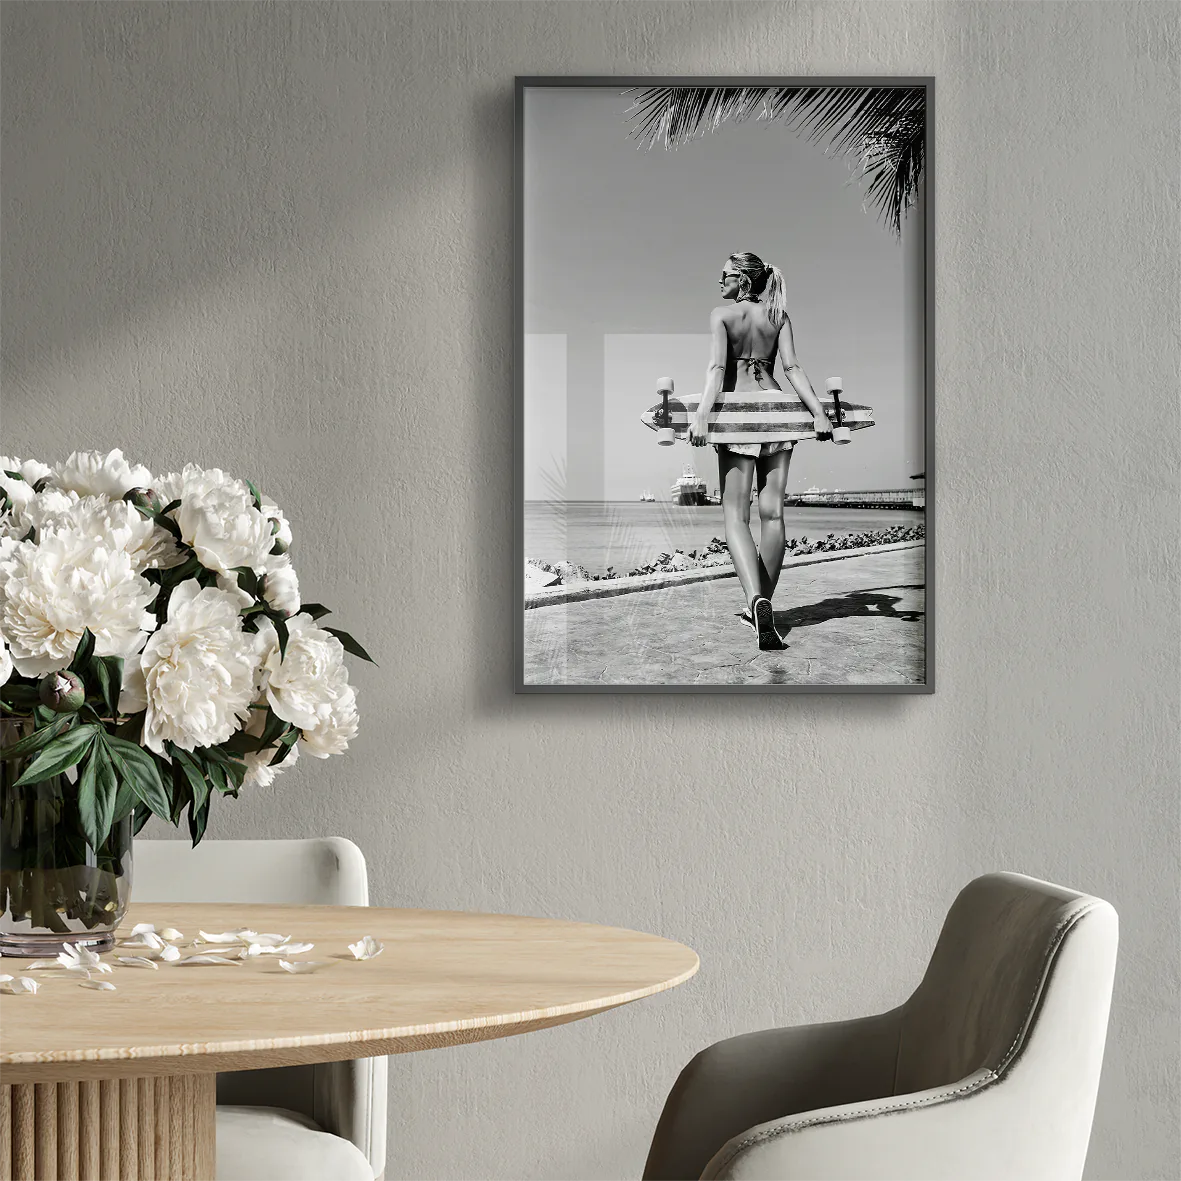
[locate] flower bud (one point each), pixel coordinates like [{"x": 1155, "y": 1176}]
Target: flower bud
[
  {"x": 144, "y": 499},
  {"x": 62, "y": 692},
  {"x": 280, "y": 547}
]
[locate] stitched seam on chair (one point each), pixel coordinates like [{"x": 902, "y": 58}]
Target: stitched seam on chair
[
  {"x": 1068, "y": 921},
  {"x": 800, "y": 1125},
  {"x": 991, "y": 1076}
]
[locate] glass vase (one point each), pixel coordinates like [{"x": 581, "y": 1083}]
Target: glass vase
[{"x": 56, "y": 889}]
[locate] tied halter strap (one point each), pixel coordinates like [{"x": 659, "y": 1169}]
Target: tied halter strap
[{"x": 758, "y": 362}]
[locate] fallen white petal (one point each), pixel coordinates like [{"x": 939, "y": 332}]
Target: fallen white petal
[
  {"x": 138, "y": 961},
  {"x": 303, "y": 965},
  {"x": 224, "y": 936},
  {"x": 101, "y": 967},
  {"x": 104, "y": 985},
  {"x": 5, "y": 979},
  {"x": 268, "y": 940},
  {"x": 169, "y": 955},
  {"x": 140, "y": 928},
  {"x": 146, "y": 939},
  {"x": 210, "y": 959},
  {"x": 171, "y": 935},
  {"x": 39, "y": 964},
  {"x": 20, "y": 984},
  {"x": 282, "y": 949},
  {"x": 366, "y": 948}
]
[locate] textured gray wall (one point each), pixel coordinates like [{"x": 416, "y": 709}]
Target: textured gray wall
[{"x": 275, "y": 238}]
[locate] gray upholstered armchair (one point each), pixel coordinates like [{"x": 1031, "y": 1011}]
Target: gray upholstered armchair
[
  {"x": 289, "y": 1123},
  {"x": 990, "y": 1069}
]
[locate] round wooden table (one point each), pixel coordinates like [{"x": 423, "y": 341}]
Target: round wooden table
[{"x": 122, "y": 1084}]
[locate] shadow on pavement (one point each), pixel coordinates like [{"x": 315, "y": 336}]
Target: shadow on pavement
[{"x": 856, "y": 603}]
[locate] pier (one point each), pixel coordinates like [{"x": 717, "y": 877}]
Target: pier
[{"x": 866, "y": 498}]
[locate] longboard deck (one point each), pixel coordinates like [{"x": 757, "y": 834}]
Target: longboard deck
[{"x": 752, "y": 420}]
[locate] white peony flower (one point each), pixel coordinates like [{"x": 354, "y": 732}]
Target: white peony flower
[
  {"x": 331, "y": 736},
  {"x": 52, "y": 591},
  {"x": 258, "y": 773},
  {"x": 20, "y": 492},
  {"x": 195, "y": 677},
  {"x": 5, "y": 661},
  {"x": 280, "y": 588},
  {"x": 52, "y": 504},
  {"x": 273, "y": 512},
  {"x": 218, "y": 519},
  {"x": 89, "y": 473},
  {"x": 302, "y": 686},
  {"x": 114, "y": 524}
]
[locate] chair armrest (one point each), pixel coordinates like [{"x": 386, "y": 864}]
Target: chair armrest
[
  {"x": 979, "y": 1129},
  {"x": 755, "y": 1078}
]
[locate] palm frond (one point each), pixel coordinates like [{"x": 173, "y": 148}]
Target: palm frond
[{"x": 881, "y": 126}]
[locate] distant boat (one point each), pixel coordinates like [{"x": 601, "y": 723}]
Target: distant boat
[
  {"x": 689, "y": 489},
  {"x": 647, "y": 495}
]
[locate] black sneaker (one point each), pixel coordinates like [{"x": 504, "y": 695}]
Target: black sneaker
[
  {"x": 764, "y": 617},
  {"x": 748, "y": 619}
]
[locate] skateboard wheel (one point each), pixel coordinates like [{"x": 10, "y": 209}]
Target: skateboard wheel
[
  {"x": 663, "y": 384},
  {"x": 665, "y": 436}
]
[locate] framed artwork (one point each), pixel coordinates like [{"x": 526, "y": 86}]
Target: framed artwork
[{"x": 724, "y": 357}]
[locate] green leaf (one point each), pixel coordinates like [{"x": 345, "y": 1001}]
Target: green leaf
[
  {"x": 59, "y": 755},
  {"x": 235, "y": 773},
  {"x": 284, "y": 748},
  {"x": 254, "y": 493},
  {"x": 136, "y": 765},
  {"x": 43, "y": 714},
  {"x": 171, "y": 506},
  {"x": 106, "y": 793},
  {"x": 140, "y": 817},
  {"x": 281, "y": 631},
  {"x": 273, "y": 727},
  {"x": 243, "y": 743},
  {"x": 217, "y": 776},
  {"x": 193, "y": 772},
  {"x": 88, "y": 802},
  {"x": 108, "y": 674},
  {"x": 350, "y": 645},
  {"x": 83, "y": 653},
  {"x": 38, "y": 739},
  {"x": 15, "y": 476},
  {"x": 198, "y": 819},
  {"x": 248, "y": 580},
  {"x": 315, "y": 610}
]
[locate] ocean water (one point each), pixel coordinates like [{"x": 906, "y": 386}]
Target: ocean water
[{"x": 627, "y": 534}]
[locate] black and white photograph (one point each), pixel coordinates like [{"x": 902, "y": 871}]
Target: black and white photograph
[{"x": 724, "y": 447}]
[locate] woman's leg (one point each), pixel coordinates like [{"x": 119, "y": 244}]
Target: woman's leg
[
  {"x": 772, "y": 474},
  {"x": 734, "y": 475}
]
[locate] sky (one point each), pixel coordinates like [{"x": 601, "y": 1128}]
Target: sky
[{"x": 622, "y": 252}]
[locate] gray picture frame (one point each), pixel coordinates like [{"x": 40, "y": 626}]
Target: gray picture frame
[{"x": 525, "y": 83}]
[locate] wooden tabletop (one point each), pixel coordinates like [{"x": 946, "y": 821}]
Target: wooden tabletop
[{"x": 445, "y": 977}]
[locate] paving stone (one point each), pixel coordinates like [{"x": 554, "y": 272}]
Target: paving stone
[{"x": 853, "y": 621}]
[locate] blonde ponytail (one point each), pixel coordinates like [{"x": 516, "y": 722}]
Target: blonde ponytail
[{"x": 775, "y": 297}]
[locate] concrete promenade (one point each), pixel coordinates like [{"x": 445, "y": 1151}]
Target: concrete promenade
[{"x": 853, "y": 621}]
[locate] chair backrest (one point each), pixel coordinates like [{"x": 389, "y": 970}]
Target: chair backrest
[
  {"x": 348, "y": 1098},
  {"x": 319, "y": 871},
  {"x": 979, "y": 996}
]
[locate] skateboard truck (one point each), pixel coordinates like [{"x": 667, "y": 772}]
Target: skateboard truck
[
  {"x": 663, "y": 417},
  {"x": 840, "y": 432}
]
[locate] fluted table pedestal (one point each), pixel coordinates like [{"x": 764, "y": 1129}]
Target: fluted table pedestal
[{"x": 124, "y": 1129}]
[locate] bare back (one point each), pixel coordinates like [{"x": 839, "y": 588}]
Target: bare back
[{"x": 749, "y": 334}]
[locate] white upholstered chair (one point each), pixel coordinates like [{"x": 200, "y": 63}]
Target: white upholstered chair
[
  {"x": 288, "y": 1123},
  {"x": 988, "y": 1071}
]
